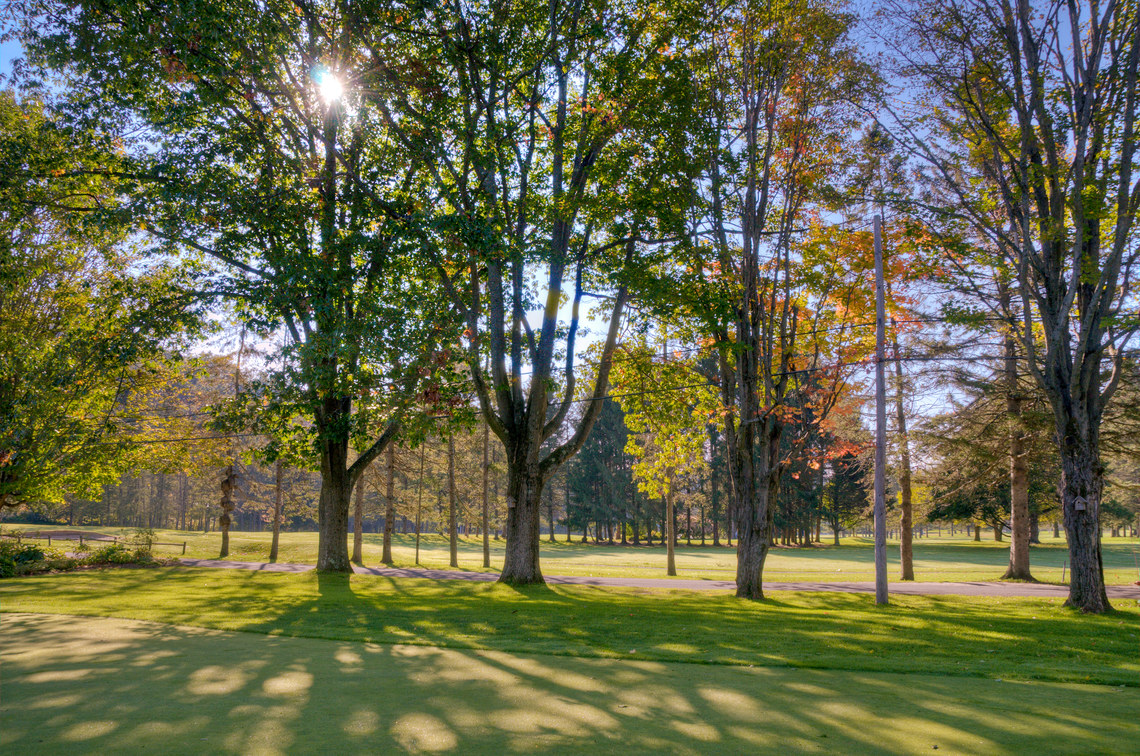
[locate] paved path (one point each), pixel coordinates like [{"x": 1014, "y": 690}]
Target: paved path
[{"x": 927, "y": 589}]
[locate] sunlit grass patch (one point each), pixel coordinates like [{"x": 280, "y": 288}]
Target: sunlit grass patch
[{"x": 978, "y": 636}]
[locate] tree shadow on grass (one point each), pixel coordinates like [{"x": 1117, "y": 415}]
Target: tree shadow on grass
[
  {"x": 111, "y": 686},
  {"x": 939, "y": 635}
]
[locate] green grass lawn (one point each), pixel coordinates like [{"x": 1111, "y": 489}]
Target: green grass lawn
[
  {"x": 108, "y": 686},
  {"x": 1023, "y": 639},
  {"x": 936, "y": 559},
  {"x": 363, "y": 664}
]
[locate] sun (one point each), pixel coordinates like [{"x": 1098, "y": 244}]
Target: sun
[{"x": 330, "y": 87}]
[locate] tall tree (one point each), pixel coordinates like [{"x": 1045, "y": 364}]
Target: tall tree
[
  {"x": 259, "y": 152},
  {"x": 667, "y": 407},
  {"x": 86, "y": 321},
  {"x": 780, "y": 79},
  {"x": 600, "y": 475},
  {"x": 553, "y": 132},
  {"x": 1046, "y": 93}
]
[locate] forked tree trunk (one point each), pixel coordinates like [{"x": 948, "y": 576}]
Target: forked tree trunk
[{"x": 389, "y": 504}]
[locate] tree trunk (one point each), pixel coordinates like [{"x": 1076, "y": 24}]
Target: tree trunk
[
  {"x": 754, "y": 512},
  {"x": 906, "y": 510},
  {"x": 358, "y": 522},
  {"x": 566, "y": 491},
  {"x": 1019, "y": 535},
  {"x": 977, "y": 532},
  {"x": 332, "y": 513},
  {"x": 485, "y": 521},
  {"x": 277, "y": 500},
  {"x": 452, "y": 532},
  {"x": 183, "y": 501},
  {"x": 1082, "y": 485},
  {"x": 227, "y": 504},
  {"x": 524, "y": 497},
  {"x": 420, "y": 498},
  {"x": 670, "y": 533},
  {"x": 550, "y": 512},
  {"x": 389, "y": 504}
]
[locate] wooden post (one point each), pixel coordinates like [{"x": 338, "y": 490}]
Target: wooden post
[{"x": 880, "y": 425}]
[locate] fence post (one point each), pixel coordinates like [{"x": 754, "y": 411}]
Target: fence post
[
  {"x": 49, "y": 540},
  {"x": 184, "y": 548}
]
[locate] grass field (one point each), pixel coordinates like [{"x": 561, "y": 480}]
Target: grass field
[
  {"x": 365, "y": 664},
  {"x": 105, "y": 686},
  {"x": 936, "y": 559},
  {"x": 1030, "y": 639}
]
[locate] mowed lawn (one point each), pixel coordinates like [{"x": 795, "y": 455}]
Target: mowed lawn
[
  {"x": 936, "y": 559},
  {"x": 361, "y": 664}
]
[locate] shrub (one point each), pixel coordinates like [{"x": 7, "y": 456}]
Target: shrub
[
  {"x": 29, "y": 558},
  {"x": 112, "y": 553},
  {"x": 142, "y": 542}
]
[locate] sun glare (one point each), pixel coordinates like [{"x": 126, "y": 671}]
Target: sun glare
[{"x": 330, "y": 86}]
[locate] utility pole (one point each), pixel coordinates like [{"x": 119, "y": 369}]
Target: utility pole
[{"x": 880, "y": 424}]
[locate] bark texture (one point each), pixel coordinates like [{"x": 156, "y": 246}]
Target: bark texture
[
  {"x": 906, "y": 509},
  {"x": 278, "y": 495},
  {"x": 1082, "y": 486},
  {"x": 452, "y": 522},
  {"x": 1019, "y": 524},
  {"x": 358, "y": 523},
  {"x": 332, "y": 513},
  {"x": 670, "y": 533},
  {"x": 485, "y": 522},
  {"x": 524, "y": 497},
  {"x": 389, "y": 504}
]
